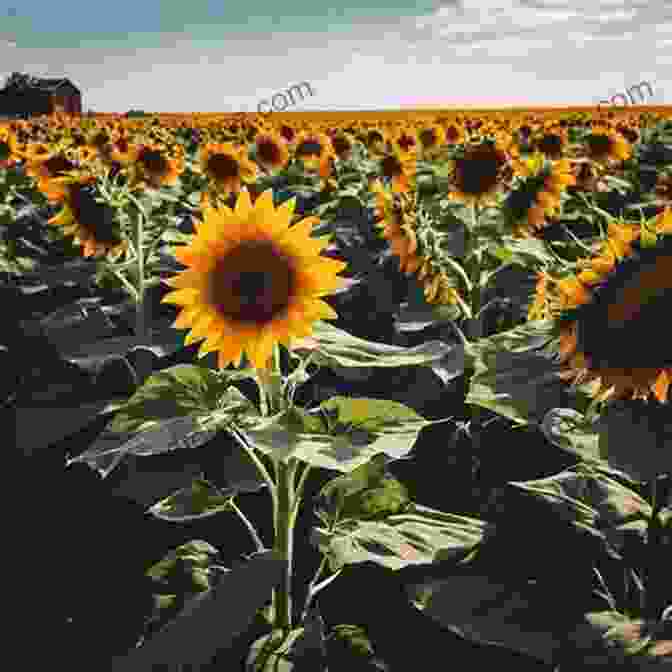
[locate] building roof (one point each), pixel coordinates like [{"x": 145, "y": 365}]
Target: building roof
[{"x": 43, "y": 84}]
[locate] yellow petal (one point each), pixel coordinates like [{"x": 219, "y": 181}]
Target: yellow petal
[{"x": 182, "y": 296}]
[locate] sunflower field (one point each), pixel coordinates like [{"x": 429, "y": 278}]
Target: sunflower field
[{"x": 312, "y": 392}]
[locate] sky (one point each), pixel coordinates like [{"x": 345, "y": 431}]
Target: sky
[{"x": 217, "y": 56}]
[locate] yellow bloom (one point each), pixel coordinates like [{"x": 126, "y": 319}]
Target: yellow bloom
[{"x": 253, "y": 280}]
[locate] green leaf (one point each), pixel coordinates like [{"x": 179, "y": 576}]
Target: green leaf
[
  {"x": 490, "y": 611},
  {"x": 301, "y": 650},
  {"x": 366, "y": 492},
  {"x": 355, "y": 431},
  {"x": 516, "y": 374},
  {"x": 200, "y": 500},
  {"x": 591, "y": 499},
  {"x": 418, "y": 536},
  {"x": 609, "y": 640},
  {"x": 569, "y": 430},
  {"x": 337, "y": 347},
  {"x": 174, "y": 392},
  {"x": 144, "y": 425}
]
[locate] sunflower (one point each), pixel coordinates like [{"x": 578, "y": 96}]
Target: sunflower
[
  {"x": 92, "y": 223},
  {"x": 8, "y": 155},
  {"x": 342, "y": 145},
  {"x": 122, "y": 150},
  {"x": 478, "y": 173},
  {"x": 287, "y": 133},
  {"x": 551, "y": 141},
  {"x": 376, "y": 141},
  {"x": 603, "y": 145},
  {"x": 46, "y": 167},
  {"x": 609, "y": 315},
  {"x": 540, "y": 308},
  {"x": 154, "y": 167},
  {"x": 588, "y": 177},
  {"x": 538, "y": 194},
  {"x": 271, "y": 151},
  {"x": 226, "y": 168},
  {"x": 663, "y": 187},
  {"x": 398, "y": 169},
  {"x": 454, "y": 133},
  {"x": 438, "y": 288},
  {"x": 395, "y": 213},
  {"x": 253, "y": 280},
  {"x": 431, "y": 138},
  {"x": 315, "y": 151},
  {"x": 404, "y": 140}
]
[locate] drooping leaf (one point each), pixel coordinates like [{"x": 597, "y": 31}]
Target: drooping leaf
[
  {"x": 180, "y": 407},
  {"x": 491, "y": 611},
  {"x": 335, "y": 346},
  {"x": 200, "y": 500}
]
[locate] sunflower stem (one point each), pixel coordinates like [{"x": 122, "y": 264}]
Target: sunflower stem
[
  {"x": 475, "y": 324},
  {"x": 284, "y": 534},
  {"x": 285, "y": 504},
  {"x": 141, "y": 331}
]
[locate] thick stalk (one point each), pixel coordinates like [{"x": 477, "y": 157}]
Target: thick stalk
[
  {"x": 475, "y": 324},
  {"x": 284, "y": 533},
  {"x": 143, "y": 358},
  {"x": 140, "y": 324},
  {"x": 284, "y": 513}
]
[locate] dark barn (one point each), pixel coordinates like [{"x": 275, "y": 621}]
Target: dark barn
[{"x": 25, "y": 96}]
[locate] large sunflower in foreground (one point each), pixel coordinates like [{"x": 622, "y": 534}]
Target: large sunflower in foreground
[
  {"x": 609, "y": 316},
  {"x": 252, "y": 280}
]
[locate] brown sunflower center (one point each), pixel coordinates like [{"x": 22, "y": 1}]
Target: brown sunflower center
[
  {"x": 100, "y": 139},
  {"x": 374, "y": 137},
  {"x": 598, "y": 145},
  {"x": 222, "y": 166},
  {"x": 428, "y": 137},
  {"x": 630, "y": 134},
  {"x": 390, "y": 166},
  {"x": 58, "y": 164},
  {"x": 406, "y": 142},
  {"x": 452, "y": 134},
  {"x": 479, "y": 170},
  {"x": 621, "y": 328},
  {"x": 154, "y": 161},
  {"x": 122, "y": 145},
  {"x": 268, "y": 151},
  {"x": 341, "y": 144},
  {"x": 287, "y": 133},
  {"x": 96, "y": 218},
  {"x": 550, "y": 144},
  {"x": 253, "y": 283}
]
